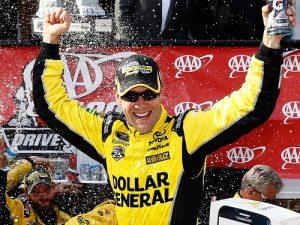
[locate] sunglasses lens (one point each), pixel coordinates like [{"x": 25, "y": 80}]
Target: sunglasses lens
[
  {"x": 149, "y": 95},
  {"x": 130, "y": 96}
]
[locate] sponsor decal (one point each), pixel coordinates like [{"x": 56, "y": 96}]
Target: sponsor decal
[
  {"x": 158, "y": 147},
  {"x": 82, "y": 221},
  {"x": 244, "y": 154},
  {"x": 137, "y": 192},
  {"x": 291, "y": 64},
  {"x": 184, "y": 106},
  {"x": 122, "y": 136},
  {"x": 191, "y": 63},
  {"x": 35, "y": 140},
  {"x": 158, "y": 137},
  {"x": 239, "y": 64},
  {"x": 291, "y": 110},
  {"x": 107, "y": 123},
  {"x": 103, "y": 212},
  {"x": 135, "y": 67},
  {"x": 157, "y": 158},
  {"x": 118, "y": 153},
  {"x": 290, "y": 155}
]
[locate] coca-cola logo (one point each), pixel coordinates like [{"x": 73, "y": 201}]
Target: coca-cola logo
[
  {"x": 239, "y": 64},
  {"x": 191, "y": 63},
  {"x": 244, "y": 154},
  {"x": 290, "y": 155},
  {"x": 184, "y": 106},
  {"x": 291, "y": 110}
]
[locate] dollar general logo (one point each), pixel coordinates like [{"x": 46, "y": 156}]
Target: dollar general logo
[
  {"x": 244, "y": 154},
  {"x": 291, "y": 110},
  {"x": 290, "y": 155},
  {"x": 239, "y": 63},
  {"x": 135, "y": 68}
]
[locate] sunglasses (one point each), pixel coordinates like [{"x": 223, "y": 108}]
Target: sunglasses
[{"x": 132, "y": 96}]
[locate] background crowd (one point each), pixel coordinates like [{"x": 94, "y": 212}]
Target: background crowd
[{"x": 151, "y": 20}]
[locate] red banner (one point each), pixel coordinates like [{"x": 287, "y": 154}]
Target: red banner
[{"x": 193, "y": 77}]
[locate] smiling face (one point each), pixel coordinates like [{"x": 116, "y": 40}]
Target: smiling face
[
  {"x": 142, "y": 115},
  {"x": 42, "y": 196}
]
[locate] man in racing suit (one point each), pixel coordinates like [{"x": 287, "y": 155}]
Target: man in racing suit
[
  {"x": 31, "y": 208},
  {"x": 155, "y": 161},
  {"x": 36, "y": 206}
]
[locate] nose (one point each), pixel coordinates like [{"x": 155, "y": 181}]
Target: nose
[{"x": 139, "y": 102}]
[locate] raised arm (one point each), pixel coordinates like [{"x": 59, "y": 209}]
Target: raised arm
[
  {"x": 65, "y": 116},
  {"x": 241, "y": 111}
]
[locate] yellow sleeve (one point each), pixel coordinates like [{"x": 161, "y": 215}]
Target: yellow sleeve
[
  {"x": 236, "y": 114},
  {"x": 80, "y": 126},
  {"x": 103, "y": 214},
  {"x": 17, "y": 172},
  {"x": 16, "y": 208}
]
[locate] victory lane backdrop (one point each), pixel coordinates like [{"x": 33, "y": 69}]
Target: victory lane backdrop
[{"x": 193, "y": 77}]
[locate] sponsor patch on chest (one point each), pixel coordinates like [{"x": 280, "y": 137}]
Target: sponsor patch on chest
[
  {"x": 118, "y": 153},
  {"x": 157, "y": 158}
]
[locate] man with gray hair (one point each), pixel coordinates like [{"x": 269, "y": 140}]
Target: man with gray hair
[{"x": 260, "y": 183}]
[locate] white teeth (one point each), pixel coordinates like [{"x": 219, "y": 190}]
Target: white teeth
[{"x": 141, "y": 114}]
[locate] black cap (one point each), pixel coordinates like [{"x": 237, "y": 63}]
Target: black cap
[
  {"x": 138, "y": 70},
  {"x": 37, "y": 176}
]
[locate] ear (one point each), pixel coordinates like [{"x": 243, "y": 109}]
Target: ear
[
  {"x": 26, "y": 194},
  {"x": 251, "y": 191},
  {"x": 118, "y": 99}
]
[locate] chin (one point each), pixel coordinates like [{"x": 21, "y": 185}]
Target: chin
[{"x": 143, "y": 130}]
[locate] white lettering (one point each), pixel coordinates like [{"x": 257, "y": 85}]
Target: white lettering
[
  {"x": 290, "y": 155},
  {"x": 243, "y": 154},
  {"x": 291, "y": 64},
  {"x": 239, "y": 63},
  {"x": 191, "y": 63},
  {"x": 291, "y": 110}
]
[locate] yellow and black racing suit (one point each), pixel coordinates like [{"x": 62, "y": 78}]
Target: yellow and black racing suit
[
  {"x": 102, "y": 214},
  {"x": 156, "y": 177},
  {"x": 19, "y": 210}
]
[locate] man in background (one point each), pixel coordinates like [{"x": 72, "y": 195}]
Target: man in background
[
  {"x": 37, "y": 204},
  {"x": 148, "y": 20},
  {"x": 260, "y": 183}
]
